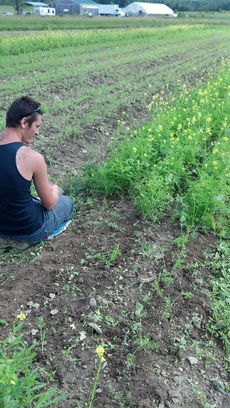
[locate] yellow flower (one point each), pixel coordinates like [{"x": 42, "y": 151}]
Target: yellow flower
[
  {"x": 12, "y": 382},
  {"x": 100, "y": 353},
  {"x": 21, "y": 316},
  {"x": 134, "y": 149},
  {"x": 214, "y": 151}
]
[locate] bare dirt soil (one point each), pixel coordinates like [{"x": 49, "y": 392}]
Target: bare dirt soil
[{"x": 113, "y": 278}]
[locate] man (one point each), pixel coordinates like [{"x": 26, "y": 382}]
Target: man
[{"x": 25, "y": 220}]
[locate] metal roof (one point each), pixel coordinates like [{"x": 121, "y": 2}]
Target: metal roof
[
  {"x": 36, "y": 4},
  {"x": 85, "y": 2}
]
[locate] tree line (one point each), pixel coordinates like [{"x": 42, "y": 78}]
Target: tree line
[
  {"x": 176, "y": 5},
  {"x": 181, "y": 5}
]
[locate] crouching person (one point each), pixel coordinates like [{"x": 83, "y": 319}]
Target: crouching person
[{"x": 25, "y": 220}]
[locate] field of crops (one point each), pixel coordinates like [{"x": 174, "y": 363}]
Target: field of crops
[{"x": 136, "y": 129}]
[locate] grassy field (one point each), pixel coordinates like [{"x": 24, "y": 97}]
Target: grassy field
[
  {"x": 136, "y": 130},
  {"x": 73, "y": 22}
]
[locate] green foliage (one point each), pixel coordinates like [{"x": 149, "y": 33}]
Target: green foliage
[
  {"x": 20, "y": 382},
  {"x": 220, "y": 295},
  {"x": 179, "y": 160},
  {"x": 48, "y": 40}
]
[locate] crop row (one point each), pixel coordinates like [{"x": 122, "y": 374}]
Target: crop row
[
  {"x": 26, "y": 43},
  {"x": 180, "y": 160}
]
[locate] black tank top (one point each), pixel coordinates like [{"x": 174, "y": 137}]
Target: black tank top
[{"x": 19, "y": 215}]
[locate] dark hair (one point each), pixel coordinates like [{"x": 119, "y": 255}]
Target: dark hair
[{"x": 21, "y": 108}]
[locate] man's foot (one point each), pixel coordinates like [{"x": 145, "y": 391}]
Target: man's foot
[
  {"x": 60, "y": 229},
  {"x": 6, "y": 244}
]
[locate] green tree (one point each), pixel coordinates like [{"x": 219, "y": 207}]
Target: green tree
[{"x": 17, "y": 4}]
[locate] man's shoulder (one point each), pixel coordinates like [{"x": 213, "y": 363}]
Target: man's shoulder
[
  {"x": 31, "y": 152},
  {"x": 33, "y": 157}
]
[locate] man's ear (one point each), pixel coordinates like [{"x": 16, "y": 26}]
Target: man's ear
[{"x": 23, "y": 122}]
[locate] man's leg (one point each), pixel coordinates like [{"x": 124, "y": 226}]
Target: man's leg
[{"x": 62, "y": 212}]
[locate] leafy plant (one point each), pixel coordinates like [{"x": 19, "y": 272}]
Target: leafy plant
[
  {"x": 220, "y": 295},
  {"x": 20, "y": 382},
  {"x": 178, "y": 160}
]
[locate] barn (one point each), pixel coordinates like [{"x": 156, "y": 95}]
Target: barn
[
  {"x": 148, "y": 9},
  {"x": 75, "y": 7}
]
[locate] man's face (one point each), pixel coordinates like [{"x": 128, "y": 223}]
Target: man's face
[{"x": 29, "y": 131}]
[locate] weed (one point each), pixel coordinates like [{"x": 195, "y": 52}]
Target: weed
[
  {"x": 141, "y": 340},
  {"x": 200, "y": 396},
  {"x": 101, "y": 364},
  {"x": 19, "y": 382},
  {"x": 41, "y": 326},
  {"x": 181, "y": 243},
  {"x": 220, "y": 295},
  {"x": 162, "y": 277},
  {"x": 169, "y": 302},
  {"x": 119, "y": 397},
  {"x": 107, "y": 257}
]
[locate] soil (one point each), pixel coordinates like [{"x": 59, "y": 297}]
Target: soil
[
  {"x": 96, "y": 283},
  {"x": 114, "y": 278}
]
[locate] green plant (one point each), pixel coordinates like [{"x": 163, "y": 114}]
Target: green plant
[
  {"x": 220, "y": 295},
  {"x": 20, "y": 382},
  {"x": 141, "y": 340},
  {"x": 201, "y": 396},
  {"x": 130, "y": 360},
  {"x": 169, "y": 302},
  {"x": 41, "y": 326},
  {"x": 121, "y": 398},
  {"x": 181, "y": 242},
  {"x": 100, "y": 364},
  {"x": 162, "y": 277},
  {"x": 178, "y": 161}
]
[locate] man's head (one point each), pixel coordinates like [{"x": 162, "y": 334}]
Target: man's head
[{"x": 24, "y": 107}]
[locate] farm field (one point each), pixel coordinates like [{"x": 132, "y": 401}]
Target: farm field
[{"x": 139, "y": 288}]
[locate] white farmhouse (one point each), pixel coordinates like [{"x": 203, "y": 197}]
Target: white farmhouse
[{"x": 148, "y": 9}]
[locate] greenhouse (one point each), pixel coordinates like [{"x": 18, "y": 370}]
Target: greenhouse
[{"x": 148, "y": 9}]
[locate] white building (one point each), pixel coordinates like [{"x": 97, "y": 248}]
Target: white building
[
  {"x": 45, "y": 11},
  {"x": 148, "y": 9},
  {"x": 41, "y": 8}
]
